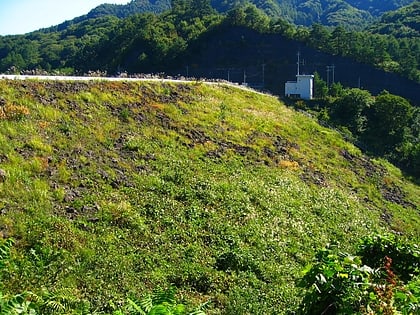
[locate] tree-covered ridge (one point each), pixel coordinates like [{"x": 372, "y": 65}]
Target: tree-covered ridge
[
  {"x": 134, "y": 7},
  {"x": 378, "y": 7},
  {"x": 351, "y": 14},
  {"x": 400, "y": 23}
]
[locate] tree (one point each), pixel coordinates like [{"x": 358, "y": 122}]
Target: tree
[
  {"x": 189, "y": 9},
  {"x": 410, "y": 149},
  {"x": 283, "y": 27},
  {"x": 320, "y": 86},
  {"x": 249, "y": 16},
  {"x": 349, "y": 110},
  {"x": 256, "y": 18},
  {"x": 336, "y": 89},
  {"x": 388, "y": 122},
  {"x": 338, "y": 41},
  {"x": 319, "y": 36}
]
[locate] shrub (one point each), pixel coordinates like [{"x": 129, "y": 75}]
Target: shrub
[
  {"x": 341, "y": 283},
  {"x": 405, "y": 257}
]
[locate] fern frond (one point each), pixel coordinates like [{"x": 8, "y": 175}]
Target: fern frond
[
  {"x": 200, "y": 310},
  {"x": 164, "y": 296},
  {"x": 5, "y": 252},
  {"x": 59, "y": 301},
  {"x": 144, "y": 306}
]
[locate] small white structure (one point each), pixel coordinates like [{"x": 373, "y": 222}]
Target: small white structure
[{"x": 302, "y": 88}]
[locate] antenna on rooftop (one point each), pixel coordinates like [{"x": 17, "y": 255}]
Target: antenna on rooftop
[{"x": 299, "y": 63}]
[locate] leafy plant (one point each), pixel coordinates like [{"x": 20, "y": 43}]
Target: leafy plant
[
  {"x": 405, "y": 257},
  {"x": 17, "y": 304},
  {"x": 341, "y": 283},
  {"x": 160, "y": 302}
]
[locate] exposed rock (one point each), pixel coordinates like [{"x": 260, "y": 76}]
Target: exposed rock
[
  {"x": 313, "y": 176},
  {"x": 3, "y": 175},
  {"x": 395, "y": 194}
]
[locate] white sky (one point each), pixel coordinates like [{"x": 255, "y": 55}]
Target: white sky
[{"x": 24, "y": 16}]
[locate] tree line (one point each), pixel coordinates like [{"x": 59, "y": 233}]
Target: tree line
[{"x": 385, "y": 125}]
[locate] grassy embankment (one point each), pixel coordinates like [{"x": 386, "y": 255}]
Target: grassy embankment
[{"x": 113, "y": 189}]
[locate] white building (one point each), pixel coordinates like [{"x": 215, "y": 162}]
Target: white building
[{"x": 302, "y": 88}]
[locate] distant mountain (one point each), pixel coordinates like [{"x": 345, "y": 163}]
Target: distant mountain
[
  {"x": 134, "y": 7},
  {"x": 378, "y": 7},
  {"x": 403, "y": 22},
  {"x": 352, "y": 14}
]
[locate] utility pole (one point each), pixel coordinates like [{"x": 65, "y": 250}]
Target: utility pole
[
  {"x": 244, "y": 77},
  {"x": 328, "y": 76},
  {"x": 263, "y": 75},
  {"x": 330, "y": 68}
]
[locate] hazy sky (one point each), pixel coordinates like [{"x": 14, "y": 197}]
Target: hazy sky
[{"x": 23, "y": 16}]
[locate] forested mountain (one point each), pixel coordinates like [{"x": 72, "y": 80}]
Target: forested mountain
[
  {"x": 404, "y": 22},
  {"x": 378, "y": 7},
  {"x": 353, "y": 14}
]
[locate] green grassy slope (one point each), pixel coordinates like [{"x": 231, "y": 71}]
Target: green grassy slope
[{"x": 116, "y": 188}]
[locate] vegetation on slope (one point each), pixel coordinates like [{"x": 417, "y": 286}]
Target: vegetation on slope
[{"x": 111, "y": 189}]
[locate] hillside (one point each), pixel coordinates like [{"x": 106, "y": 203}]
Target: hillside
[
  {"x": 400, "y": 23},
  {"x": 350, "y": 13},
  {"x": 111, "y": 189}
]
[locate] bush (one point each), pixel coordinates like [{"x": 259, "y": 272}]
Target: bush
[{"x": 382, "y": 279}]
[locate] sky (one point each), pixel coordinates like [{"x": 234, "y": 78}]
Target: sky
[{"x": 24, "y": 16}]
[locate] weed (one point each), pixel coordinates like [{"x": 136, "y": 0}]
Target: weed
[{"x": 13, "y": 112}]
